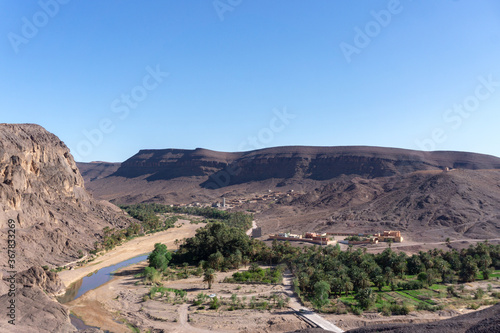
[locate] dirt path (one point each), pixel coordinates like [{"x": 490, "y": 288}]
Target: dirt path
[
  {"x": 309, "y": 314},
  {"x": 412, "y": 243},
  {"x": 183, "y": 320},
  {"x": 254, "y": 226},
  {"x": 132, "y": 248}
]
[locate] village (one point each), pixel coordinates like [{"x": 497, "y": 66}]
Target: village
[
  {"x": 328, "y": 238},
  {"x": 225, "y": 202}
]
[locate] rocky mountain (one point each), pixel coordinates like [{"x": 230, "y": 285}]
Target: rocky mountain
[
  {"x": 318, "y": 163},
  {"x": 459, "y": 202},
  {"x": 370, "y": 188},
  {"x": 41, "y": 190},
  {"x": 154, "y": 172}
]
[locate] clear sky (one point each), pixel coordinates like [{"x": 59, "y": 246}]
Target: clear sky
[{"x": 112, "y": 77}]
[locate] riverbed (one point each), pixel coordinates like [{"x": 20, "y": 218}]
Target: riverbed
[{"x": 96, "y": 279}]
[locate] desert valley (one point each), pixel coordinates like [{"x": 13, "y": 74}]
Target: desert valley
[{"x": 202, "y": 222}]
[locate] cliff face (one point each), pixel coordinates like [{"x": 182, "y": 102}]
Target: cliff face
[
  {"x": 42, "y": 190},
  {"x": 185, "y": 176},
  {"x": 316, "y": 163}
]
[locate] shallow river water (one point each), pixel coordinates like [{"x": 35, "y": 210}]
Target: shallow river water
[{"x": 93, "y": 281}]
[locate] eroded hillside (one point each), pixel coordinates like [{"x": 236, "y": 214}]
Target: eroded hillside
[{"x": 41, "y": 189}]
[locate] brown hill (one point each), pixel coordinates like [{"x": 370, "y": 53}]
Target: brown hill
[
  {"x": 97, "y": 170},
  {"x": 42, "y": 191},
  {"x": 459, "y": 202},
  {"x": 318, "y": 163},
  {"x": 158, "y": 174},
  {"x": 342, "y": 188}
]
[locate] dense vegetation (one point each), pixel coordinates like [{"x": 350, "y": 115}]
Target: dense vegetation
[
  {"x": 328, "y": 271},
  {"x": 321, "y": 273},
  {"x": 150, "y": 221},
  {"x": 149, "y": 211},
  {"x": 219, "y": 246},
  {"x": 256, "y": 274}
]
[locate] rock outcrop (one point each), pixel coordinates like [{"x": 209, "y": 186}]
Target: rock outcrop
[
  {"x": 36, "y": 312},
  {"x": 44, "y": 279},
  {"x": 42, "y": 192}
]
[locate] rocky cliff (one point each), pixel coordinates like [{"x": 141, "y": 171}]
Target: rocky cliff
[
  {"x": 318, "y": 163},
  {"x": 177, "y": 175},
  {"x": 36, "y": 310},
  {"x": 41, "y": 190}
]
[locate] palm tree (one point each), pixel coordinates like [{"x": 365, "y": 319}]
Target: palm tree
[
  {"x": 209, "y": 277},
  {"x": 347, "y": 286},
  {"x": 245, "y": 261}
]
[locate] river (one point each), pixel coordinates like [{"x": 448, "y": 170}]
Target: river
[{"x": 93, "y": 281}]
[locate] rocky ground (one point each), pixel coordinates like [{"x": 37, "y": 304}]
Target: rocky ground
[
  {"x": 124, "y": 300},
  {"x": 42, "y": 192}
]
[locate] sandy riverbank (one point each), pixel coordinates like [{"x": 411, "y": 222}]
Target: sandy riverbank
[
  {"x": 132, "y": 248},
  {"x": 121, "y": 299}
]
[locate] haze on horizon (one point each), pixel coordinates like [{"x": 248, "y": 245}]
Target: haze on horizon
[{"x": 111, "y": 78}]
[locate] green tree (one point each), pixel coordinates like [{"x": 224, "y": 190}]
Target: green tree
[
  {"x": 215, "y": 260},
  {"x": 365, "y": 298},
  {"x": 160, "y": 257},
  {"x": 321, "y": 293},
  {"x": 469, "y": 269},
  {"x": 347, "y": 285},
  {"x": 486, "y": 273},
  {"x": 423, "y": 277},
  {"x": 379, "y": 282},
  {"x": 209, "y": 277}
]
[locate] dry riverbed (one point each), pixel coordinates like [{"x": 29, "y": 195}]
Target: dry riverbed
[
  {"x": 122, "y": 300},
  {"x": 132, "y": 248}
]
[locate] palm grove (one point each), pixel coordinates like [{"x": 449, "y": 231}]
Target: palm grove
[{"x": 322, "y": 273}]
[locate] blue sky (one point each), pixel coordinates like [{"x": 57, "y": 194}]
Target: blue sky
[{"x": 112, "y": 77}]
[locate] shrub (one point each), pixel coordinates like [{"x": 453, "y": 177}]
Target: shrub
[
  {"x": 474, "y": 306},
  {"x": 386, "y": 310},
  {"x": 405, "y": 309},
  {"x": 152, "y": 275},
  {"x": 423, "y": 306},
  {"x": 479, "y": 293},
  {"x": 411, "y": 285},
  {"x": 215, "y": 303},
  {"x": 400, "y": 309},
  {"x": 357, "y": 311}
]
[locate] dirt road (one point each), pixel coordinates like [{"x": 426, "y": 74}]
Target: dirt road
[
  {"x": 254, "y": 226},
  {"x": 412, "y": 243},
  {"x": 301, "y": 310}
]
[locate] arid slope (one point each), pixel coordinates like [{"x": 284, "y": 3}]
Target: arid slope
[{"x": 41, "y": 189}]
